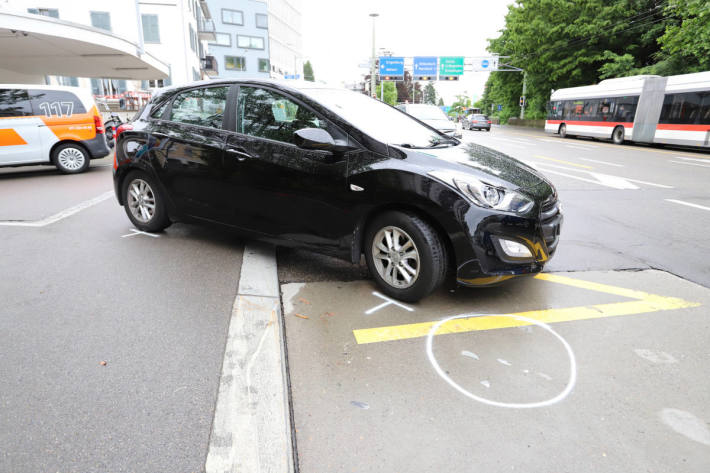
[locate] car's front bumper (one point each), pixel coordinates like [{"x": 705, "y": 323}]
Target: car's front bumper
[{"x": 488, "y": 263}]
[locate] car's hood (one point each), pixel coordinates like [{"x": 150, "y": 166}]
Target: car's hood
[
  {"x": 441, "y": 124},
  {"x": 485, "y": 164}
]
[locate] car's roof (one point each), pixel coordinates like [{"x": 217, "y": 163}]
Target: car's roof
[{"x": 280, "y": 83}]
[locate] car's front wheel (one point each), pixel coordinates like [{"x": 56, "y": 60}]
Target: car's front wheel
[
  {"x": 144, "y": 203},
  {"x": 405, "y": 255}
]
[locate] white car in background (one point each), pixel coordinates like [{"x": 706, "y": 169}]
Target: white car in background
[{"x": 434, "y": 117}]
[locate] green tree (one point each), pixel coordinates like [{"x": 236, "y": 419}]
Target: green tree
[
  {"x": 430, "y": 94},
  {"x": 460, "y": 105},
  {"x": 688, "y": 41},
  {"x": 441, "y": 102},
  {"x": 390, "y": 92},
  {"x": 566, "y": 43},
  {"x": 308, "y": 72}
]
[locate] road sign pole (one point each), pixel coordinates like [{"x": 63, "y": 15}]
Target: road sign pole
[{"x": 372, "y": 60}]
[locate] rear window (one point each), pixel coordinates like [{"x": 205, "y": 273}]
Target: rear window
[
  {"x": 55, "y": 103},
  {"x": 480, "y": 117},
  {"x": 14, "y": 103}
]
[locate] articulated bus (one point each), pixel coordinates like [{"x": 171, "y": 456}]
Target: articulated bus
[{"x": 643, "y": 109}]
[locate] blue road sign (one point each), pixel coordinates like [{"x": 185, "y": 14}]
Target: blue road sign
[
  {"x": 425, "y": 68},
  {"x": 500, "y": 107},
  {"x": 485, "y": 63},
  {"x": 292, "y": 76},
  {"x": 391, "y": 68}
]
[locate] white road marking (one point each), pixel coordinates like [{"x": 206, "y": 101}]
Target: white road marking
[
  {"x": 700, "y": 160},
  {"x": 503, "y": 362},
  {"x": 385, "y": 304},
  {"x": 660, "y": 357},
  {"x": 579, "y": 147},
  {"x": 662, "y": 186},
  {"x": 60, "y": 215},
  {"x": 469, "y": 354},
  {"x": 702, "y": 207},
  {"x": 691, "y": 164},
  {"x": 686, "y": 424},
  {"x": 543, "y": 375},
  {"x": 561, "y": 140},
  {"x": 602, "y": 162},
  {"x": 486, "y": 383},
  {"x": 135, "y": 232},
  {"x": 615, "y": 182}
]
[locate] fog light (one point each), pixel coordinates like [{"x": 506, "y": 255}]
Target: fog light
[{"x": 514, "y": 249}]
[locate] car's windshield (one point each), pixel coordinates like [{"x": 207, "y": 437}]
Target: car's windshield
[
  {"x": 427, "y": 112},
  {"x": 376, "y": 119}
]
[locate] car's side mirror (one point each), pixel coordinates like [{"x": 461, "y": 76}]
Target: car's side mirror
[{"x": 314, "y": 138}]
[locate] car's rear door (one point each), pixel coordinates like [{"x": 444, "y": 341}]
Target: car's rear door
[
  {"x": 19, "y": 129},
  {"x": 278, "y": 188},
  {"x": 190, "y": 154}
]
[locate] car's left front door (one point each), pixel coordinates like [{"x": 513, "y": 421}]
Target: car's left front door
[{"x": 279, "y": 189}]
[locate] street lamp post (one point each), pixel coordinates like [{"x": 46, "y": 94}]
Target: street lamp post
[{"x": 372, "y": 60}]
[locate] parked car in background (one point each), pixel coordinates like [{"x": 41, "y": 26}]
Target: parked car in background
[
  {"x": 337, "y": 172},
  {"x": 434, "y": 117},
  {"x": 476, "y": 121},
  {"x": 42, "y": 124}
]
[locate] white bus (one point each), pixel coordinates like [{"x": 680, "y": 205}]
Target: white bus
[{"x": 643, "y": 109}]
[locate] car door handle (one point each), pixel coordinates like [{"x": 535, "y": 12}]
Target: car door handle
[{"x": 240, "y": 154}]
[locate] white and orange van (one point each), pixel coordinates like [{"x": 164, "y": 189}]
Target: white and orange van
[{"x": 41, "y": 124}]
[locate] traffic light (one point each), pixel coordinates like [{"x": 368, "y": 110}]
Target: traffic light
[
  {"x": 449, "y": 77},
  {"x": 522, "y": 101}
]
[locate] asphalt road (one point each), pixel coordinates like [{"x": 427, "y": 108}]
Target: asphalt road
[{"x": 86, "y": 289}]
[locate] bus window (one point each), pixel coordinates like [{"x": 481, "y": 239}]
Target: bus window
[
  {"x": 625, "y": 109},
  {"x": 606, "y": 110},
  {"x": 589, "y": 112},
  {"x": 705, "y": 110},
  {"x": 555, "y": 110},
  {"x": 685, "y": 108}
]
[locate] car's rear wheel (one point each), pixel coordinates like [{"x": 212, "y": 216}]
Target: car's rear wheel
[
  {"x": 70, "y": 158},
  {"x": 618, "y": 135},
  {"x": 405, "y": 255},
  {"x": 563, "y": 131},
  {"x": 144, "y": 203}
]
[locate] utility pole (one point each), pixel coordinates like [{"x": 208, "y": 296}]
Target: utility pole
[
  {"x": 524, "y": 99},
  {"x": 373, "y": 92}
]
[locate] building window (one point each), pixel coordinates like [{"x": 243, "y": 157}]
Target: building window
[
  {"x": 53, "y": 12},
  {"x": 151, "y": 31},
  {"x": 195, "y": 74},
  {"x": 155, "y": 83},
  {"x": 250, "y": 42},
  {"x": 235, "y": 63},
  {"x": 70, "y": 81},
  {"x": 101, "y": 19},
  {"x": 222, "y": 39},
  {"x": 232, "y": 17},
  {"x": 262, "y": 21},
  {"x": 263, "y": 65},
  {"x": 192, "y": 39}
]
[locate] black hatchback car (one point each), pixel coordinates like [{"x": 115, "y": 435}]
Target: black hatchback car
[{"x": 337, "y": 172}]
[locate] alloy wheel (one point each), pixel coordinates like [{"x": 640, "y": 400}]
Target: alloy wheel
[
  {"x": 396, "y": 257},
  {"x": 141, "y": 200}
]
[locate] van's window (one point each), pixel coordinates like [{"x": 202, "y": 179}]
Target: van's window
[
  {"x": 14, "y": 103},
  {"x": 204, "y": 107},
  {"x": 55, "y": 103},
  {"x": 267, "y": 114}
]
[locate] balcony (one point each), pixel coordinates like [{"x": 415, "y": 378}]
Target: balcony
[
  {"x": 209, "y": 65},
  {"x": 206, "y": 30}
]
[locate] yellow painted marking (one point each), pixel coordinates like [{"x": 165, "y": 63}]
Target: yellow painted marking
[
  {"x": 645, "y": 303},
  {"x": 569, "y": 163}
]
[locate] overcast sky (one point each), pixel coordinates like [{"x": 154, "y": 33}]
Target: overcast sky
[{"x": 337, "y": 35}]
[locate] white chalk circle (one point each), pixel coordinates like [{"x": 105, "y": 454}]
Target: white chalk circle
[{"x": 525, "y": 405}]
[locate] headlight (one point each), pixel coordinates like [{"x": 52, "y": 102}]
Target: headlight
[{"x": 484, "y": 194}]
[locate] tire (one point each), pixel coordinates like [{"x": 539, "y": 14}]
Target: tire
[
  {"x": 617, "y": 136},
  {"x": 416, "y": 238},
  {"x": 563, "y": 131},
  {"x": 138, "y": 192},
  {"x": 70, "y": 158}
]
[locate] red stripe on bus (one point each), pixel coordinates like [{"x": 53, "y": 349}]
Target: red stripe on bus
[
  {"x": 575, "y": 122},
  {"x": 670, "y": 126}
]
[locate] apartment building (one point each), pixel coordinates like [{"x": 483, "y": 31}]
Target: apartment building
[{"x": 257, "y": 38}]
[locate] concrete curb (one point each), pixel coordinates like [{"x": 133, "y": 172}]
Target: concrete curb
[{"x": 251, "y": 431}]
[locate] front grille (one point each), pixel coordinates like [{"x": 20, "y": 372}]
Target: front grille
[{"x": 550, "y": 221}]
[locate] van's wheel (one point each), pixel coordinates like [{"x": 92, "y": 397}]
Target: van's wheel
[
  {"x": 563, "y": 131},
  {"x": 617, "y": 135},
  {"x": 405, "y": 255},
  {"x": 70, "y": 158},
  {"x": 144, "y": 203}
]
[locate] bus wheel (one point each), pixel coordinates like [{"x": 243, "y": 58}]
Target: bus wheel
[
  {"x": 563, "y": 131},
  {"x": 618, "y": 135}
]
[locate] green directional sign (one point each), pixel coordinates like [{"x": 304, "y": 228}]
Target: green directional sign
[{"x": 451, "y": 66}]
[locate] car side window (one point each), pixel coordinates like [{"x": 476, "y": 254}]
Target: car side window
[
  {"x": 203, "y": 107},
  {"x": 14, "y": 103},
  {"x": 268, "y": 114},
  {"x": 55, "y": 103},
  {"x": 158, "y": 109}
]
